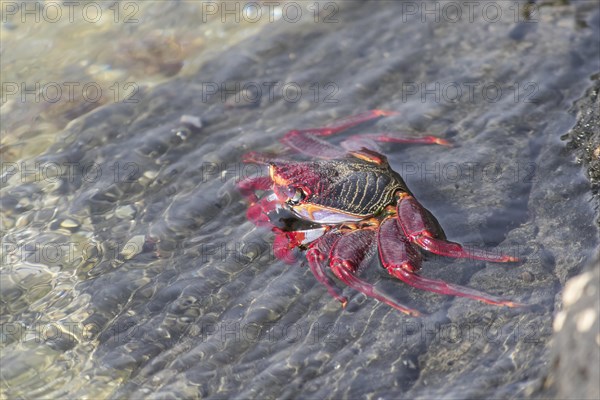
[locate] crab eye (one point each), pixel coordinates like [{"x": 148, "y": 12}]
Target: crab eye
[{"x": 297, "y": 197}]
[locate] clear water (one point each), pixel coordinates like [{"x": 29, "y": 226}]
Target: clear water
[{"x": 129, "y": 268}]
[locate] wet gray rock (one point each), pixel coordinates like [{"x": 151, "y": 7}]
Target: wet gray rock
[
  {"x": 575, "y": 371},
  {"x": 575, "y": 368}
]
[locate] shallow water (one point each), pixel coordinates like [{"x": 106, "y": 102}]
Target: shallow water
[{"x": 137, "y": 273}]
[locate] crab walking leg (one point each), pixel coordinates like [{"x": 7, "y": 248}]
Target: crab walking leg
[
  {"x": 401, "y": 260},
  {"x": 306, "y": 141},
  {"x": 255, "y": 157},
  {"x": 346, "y": 256},
  {"x": 365, "y": 139},
  {"x": 317, "y": 256},
  {"x": 421, "y": 231},
  {"x": 343, "y": 124}
]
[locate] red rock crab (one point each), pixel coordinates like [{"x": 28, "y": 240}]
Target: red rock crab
[{"x": 354, "y": 205}]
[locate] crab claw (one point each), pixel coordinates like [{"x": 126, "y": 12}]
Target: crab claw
[
  {"x": 259, "y": 212},
  {"x": 283, "y": 247},
  {"x": 257, "y": 215},
  {"x": 285, "y": 242}
]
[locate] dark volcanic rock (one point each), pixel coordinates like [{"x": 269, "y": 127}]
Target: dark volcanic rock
[{"x": 584, "y": 138}]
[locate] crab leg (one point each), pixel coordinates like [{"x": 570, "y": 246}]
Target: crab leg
[
  {"x": 258, "y": 212},
  {"x": 306, "y": 141},
  {"x": 343, "y": 124},
  {"x": 402, "y": 260},
  {"x": 346, "y": 257},
  {"x": 419, "y": 229},
  {"x": 367, "y": 140},
  {"x": 255, "y": 157},
  {"x": 317, "y": 256}
]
